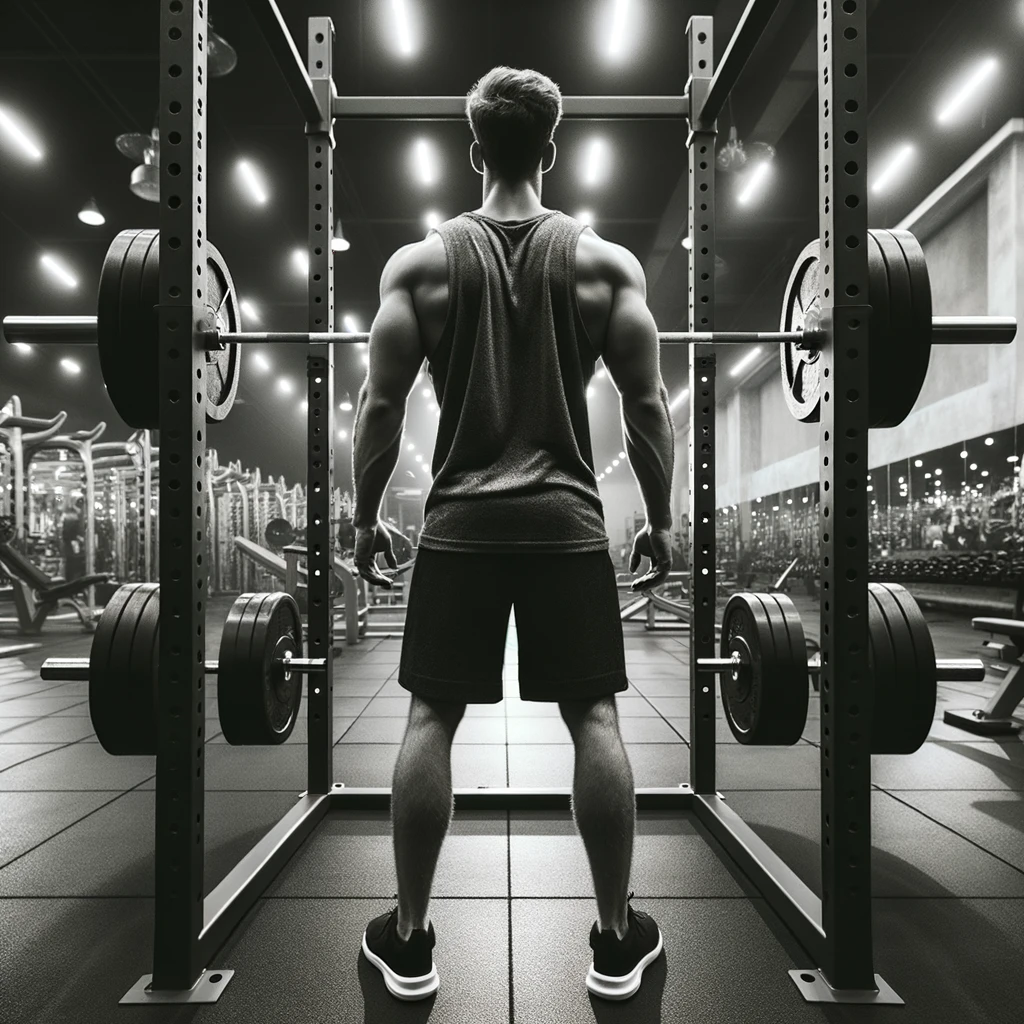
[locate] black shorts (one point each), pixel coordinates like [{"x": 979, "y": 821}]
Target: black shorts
[{"x": 567, "y": 621}]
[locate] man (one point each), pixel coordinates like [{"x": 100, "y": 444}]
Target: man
[{"x": 511, "y": 305}]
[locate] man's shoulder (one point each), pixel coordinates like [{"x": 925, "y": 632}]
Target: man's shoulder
[
  {"x": 416, "y": 263},
  {"x": 597, "y": 257}
]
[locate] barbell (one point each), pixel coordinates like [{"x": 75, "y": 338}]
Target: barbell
[
  {"x": 764, "y": 670},
  {"x": 126, "y": 329},
  {"x": 259, "y": 669}
]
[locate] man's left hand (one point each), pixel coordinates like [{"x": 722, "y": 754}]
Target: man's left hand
[{"x": 370, "y": 541}]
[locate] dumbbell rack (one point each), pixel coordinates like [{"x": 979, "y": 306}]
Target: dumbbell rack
[{"x": 834, "y": 931}]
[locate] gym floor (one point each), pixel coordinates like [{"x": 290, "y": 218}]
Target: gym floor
[{"x": 513, "y": 902}]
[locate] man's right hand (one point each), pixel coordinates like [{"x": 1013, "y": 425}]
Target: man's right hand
[{"x": 657, "y": 546}]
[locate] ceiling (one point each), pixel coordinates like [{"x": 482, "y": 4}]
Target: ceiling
[{"x": 78, "y": 78}]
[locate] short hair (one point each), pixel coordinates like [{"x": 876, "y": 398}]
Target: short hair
[{"x": 513, "y": 114}]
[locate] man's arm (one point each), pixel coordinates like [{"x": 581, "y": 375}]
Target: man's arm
[
  {"x": 632, "y": 356},
  {"x": 396, "y": 355}
]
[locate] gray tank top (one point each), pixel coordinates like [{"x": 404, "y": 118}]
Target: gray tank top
[{"x": 513, "y": 467}]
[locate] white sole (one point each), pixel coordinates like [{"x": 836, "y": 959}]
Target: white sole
[
  {"x": 400, "y": 987},
  {"x": 608, "y": 987}
]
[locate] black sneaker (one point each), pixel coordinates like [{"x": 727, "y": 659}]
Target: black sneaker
[{"x": 619, "y": 963}]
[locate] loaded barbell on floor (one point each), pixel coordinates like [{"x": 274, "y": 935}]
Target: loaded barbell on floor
[
  {"x": 765, "y": 670},
  {"x": 259, "y": 670},
  {"x": 901, "y": 330}
]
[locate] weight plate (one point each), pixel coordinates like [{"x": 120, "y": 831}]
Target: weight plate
[
  {"x": 921, "y": 303},
  {"x": 765, "y": 701},
  {"x": 894, "y": 364},
  {"x": 890, "y": 704},
  {"x": 801, "y": 311},
  {"x": 122, "y": 667},
  {"x": 926, "y": 691},
  {"x": 792, "y": 687},
  {"x": 896, "y": 726},
  {"x": 128, "y": 329},
  {"x": 223, "y": 366},
  {"x": 899, "y": 337},
  {"x": 258, "y": 699},
  {"x": 279, "y": 533}
]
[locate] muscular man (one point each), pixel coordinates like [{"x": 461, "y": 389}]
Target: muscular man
[{"x": 511, "y": 305}]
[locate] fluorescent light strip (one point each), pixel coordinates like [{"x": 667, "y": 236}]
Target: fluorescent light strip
[
  {"x": 425, "y": 161},
  {"x": 70, "y": 366},
  {"x": 616, "y": 38},
  {"x": 595, "y": 167},
  {"x": 350, "y": 323},
  {"x": 754, "y": 181},
  {"x": 746, "y": 361},
  {"x": 891, "y": 170},
  {"x": 431, "y": 219},
  {"x": 59, "y": 271},
  {"x": 249, "y": 310},
  {"x": 300, "y": 260},
  {"x": 252, "y": 181},
  {"x": 402, "y": 28},
  {"x": 19, "y": 136},
  {"x": 962, "y": 94},
  {"x": 585, "y": 217}
]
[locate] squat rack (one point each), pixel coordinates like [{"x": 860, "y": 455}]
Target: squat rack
[{"x": 836, "y": 930}]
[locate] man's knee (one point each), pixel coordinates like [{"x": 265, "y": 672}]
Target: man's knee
[
  {"x": 429, "y": 709},
  {"x": 591, "y": 711}
]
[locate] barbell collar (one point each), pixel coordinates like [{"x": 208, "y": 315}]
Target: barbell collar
[{"x": 310, "y": 666}]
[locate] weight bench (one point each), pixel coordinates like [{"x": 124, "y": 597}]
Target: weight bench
[
  {"x": 36, "y": 594},
  {"x": 996, "y": 717}
]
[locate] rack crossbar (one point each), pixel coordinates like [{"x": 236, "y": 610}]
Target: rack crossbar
[{"x": 453, "y": 108}]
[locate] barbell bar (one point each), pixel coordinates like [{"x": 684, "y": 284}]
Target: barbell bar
[
  {"x": 947, "y": 670},
  {"x": 82, "y": 330},
  {"x": 76, "y": 670}
]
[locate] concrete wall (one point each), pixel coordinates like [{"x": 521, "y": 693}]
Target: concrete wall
[{"x": 972, "y": 232}]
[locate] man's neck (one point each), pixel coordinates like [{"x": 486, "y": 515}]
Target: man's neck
[{"x": 505, "y": 201}]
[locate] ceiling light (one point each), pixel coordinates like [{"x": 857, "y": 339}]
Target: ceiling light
[
  {"x": 891, "y": 170},
  {"x": 17, "y": 136},
  {"x": 938, "y": 472},
  {"x": 70, "y": 366},
  {"x": 927, "y": 476},
  {"x": 984, "y": 472},
  {"x": 304, "y": 405},
  {"x": 586, "y": 217},
  {"x": 431, "y": 219},
  {"x": 90, "y": 214},
  {"x": 58, "y": 270},
  {"x": 252, "y": 181},
  {"x": 1012, "y": 458},
  {"x": 21, "y": 348},
  {"x": 249, "y": 310},
  {"x": 617, "y": 28},
  {"x": 755, "y": 179},
  {"x": 687, "y": 242},
  {"x": 425, "y": 392},
  {"x": 900, "y": 480},
  {"x": 973, "y": 466},
  {"x": 918, "y": 463},
  {"x": 591, "y": 391},
  {"x": 403, "y": 29},
  {"x": 958, "y": 97},
  {"x": 615, "y": 462},
  {"x": 607, "y": 470},
  {"x": 680, "y": 398},
  {"x": 410, "y": 447},
  {"x": 260, "y": 361},
  {"x": 300, "y": 261},
  {"x": 285, "y": 386},
  {"x": 366, "y": 359},
  {"x": 990, "y": 440},
  {"x": 350, "y": 323},
  {"x": 419, "y": 457},
  {"x": 424, "y": 159},
  {"x": 596, "y": 162},
  {"x": 342, "y": 435},
  {"x": 963, "y": 454},
  {"x": 339, "y": 243},
  {"x": 745, "y": 361},
  {"x": 346, "y": 403},
  {"x": 622, "y": 455}
]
